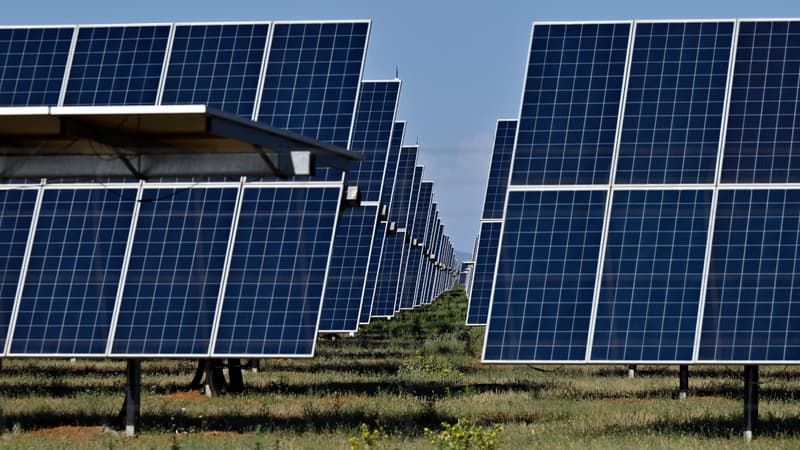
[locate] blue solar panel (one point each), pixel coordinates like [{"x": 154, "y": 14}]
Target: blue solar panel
[
  {"x": 405, "y": 298},
  {"x": 762, "y": 134},
  {"x": 175, "y": 270},
  {"x": 371, "y": 134},
  {"x": 16, "y": 214},
  {"x": 652, "y": 275},
  {"x": 32, "y": 65},
  {"x": 755, "y": 262},
  {"x": 674, "y": 103},
  {"x": 571, "y": 104},
  {"x": 401, "y": 195},
  {"x": 118, "y": 65},
  {"x": 502, "y": 152},
  {"x": 277, "y": 272},
  {"x": 414, "y": 273},
  {"x": 313, "y": 75},
  {"x": 376, "y": 254},
  {"x": 546, "y": 274},
  {"x": 386, "y": 289},
  {"x": 483, "y": 273},
  {"x": 216, "y": 65},
  {"x": 348, "y": 264},
  {"x": 392, "y": 161},
  {"x": 73, "y": 273}
]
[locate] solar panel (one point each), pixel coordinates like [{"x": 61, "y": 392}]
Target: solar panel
[
  {"x": 401, "y": 195},
  {"x": 73, "y": 272},
  {"x": 117, "y": 65},
  {"x": 421, "y": 227},
  {"x": 502, "y": 151},
  {"x": 652, "y": 275},
  {"x": 383, "y": 304},
  {"x": 175, "y": 272},
  {"x": 16, "y": 214},
  {"x": 218, "y": 65},
  {"x": 478, "y": 308},
  {"x": 674, "y": 102},
  {"x": 405, "y": 296},
  {"x": 277, "y": 272},
  {"x": 356, "y": 227},
  {"x": 748, "y": 312},
  {"x": 688, "y": 251},
  {"x": 34, "y": 61},
  {"x": 571, "y": 102}
]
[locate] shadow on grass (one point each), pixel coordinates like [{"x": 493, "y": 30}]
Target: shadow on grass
[
  {"x": 426, "y": 389},
  {"x": 725, "y": 427}
]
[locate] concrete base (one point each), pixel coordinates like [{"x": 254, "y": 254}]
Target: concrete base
[
  {"x": 681, "y": 395},
  {"x": 748, "y": 436}
]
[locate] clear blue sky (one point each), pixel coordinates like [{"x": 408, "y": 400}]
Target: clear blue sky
[{"x": 462, "y": 62}]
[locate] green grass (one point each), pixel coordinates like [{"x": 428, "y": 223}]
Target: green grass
[{"x": 399, "y": 376}]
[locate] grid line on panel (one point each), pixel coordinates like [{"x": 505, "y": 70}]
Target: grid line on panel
[
  {"x": 117, "y": 65},
  {"x": 544, "y": 286},
  {"x": 488, "y": 245},
  {"x": 162, "y": 80},
  {"x": 33, "y": 62},
  {"x": 652, "y": 276},
  {"x": 17, "y": 209},
  {"x": 277, "y": 271},
  {"x": 762, "y": 132},
  {"x": 500, "y": 168},
  {"x": 70, "y": 290},
  {"x": 674, "y": 102},
  {"x": 217, "y": 65},
  {"x": 173, "y": 280},
  {"x": 570, "y": 104},
  {"x": 755, "y": 260}
]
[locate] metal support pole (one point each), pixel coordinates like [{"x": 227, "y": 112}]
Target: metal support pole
[
  {"x": 133, "y": 396},
  {"x": 683, "y": 375},
  {"x": 750, "y": 400},
  {"x": 235, "y": 375},
  {"x": 632, "y": 371}
]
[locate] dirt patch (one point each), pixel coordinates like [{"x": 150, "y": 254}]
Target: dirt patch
[
  {"x": 70, "y": 432},
  {"x": 186, "y": 395}
]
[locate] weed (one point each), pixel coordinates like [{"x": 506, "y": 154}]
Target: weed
[{"x": 464, "y": 435}]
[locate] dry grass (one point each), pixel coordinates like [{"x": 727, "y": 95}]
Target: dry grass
[{"x": 401, "y": 376}]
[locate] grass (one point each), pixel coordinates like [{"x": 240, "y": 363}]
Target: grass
[{"x": 400, "y": 376}]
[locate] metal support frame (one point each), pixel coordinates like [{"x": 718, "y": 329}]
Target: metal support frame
[
  {"x": 133, "y": 396},
  {"x": 750, "y": 400},
  {"x": 683, "y": 383}
]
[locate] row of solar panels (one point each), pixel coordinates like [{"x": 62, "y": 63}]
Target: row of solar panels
[
  {"x": 215, "y": 267},
  {"x": 645, "y": 205}
]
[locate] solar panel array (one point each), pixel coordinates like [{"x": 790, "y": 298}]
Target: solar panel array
[
  {"x": 652, "y": 210},
  {"x": 195, "y": 267}
]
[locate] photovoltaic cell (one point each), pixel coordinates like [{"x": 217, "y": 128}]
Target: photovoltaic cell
[
  {"x": 32, "y": 65},
  {"x": 502, "y": 153},
  {"x": 175, "y": 270},
  {"x": 277, "y": 271},
  {"x": 392, "y": 160},
  {"x": 16, "y": 214},
  {"x": 118, "y": 65},
  {"x": 652, "y": 275},
  {"x": 571, "y": 104},
  {"x": 216, "y": 65},
  {"x": 762, "y": 136},
  {"x": 546, "y": 275},
  {"x": 73, "y": 273},
  {"x": 376, "y": 253},
  {"x": 755, "y": 262},
  {"x": 674, "y": 102},
  {"x": 403, "y": 182},
  {"x": 489, "y": 242},
  {"x": 348, "y": 264}
]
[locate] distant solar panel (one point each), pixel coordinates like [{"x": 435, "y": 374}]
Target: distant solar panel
[
  {"x": 117, "y": 65},
  {"x": 405, "y": 296},
  {"x": 73, "y": 273},
  {"x": 34, "y": 61},
  {"x": 218, "y": 65},
  {"x": 481, "y": 292},
  {"x": 383, "y": 304}
]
